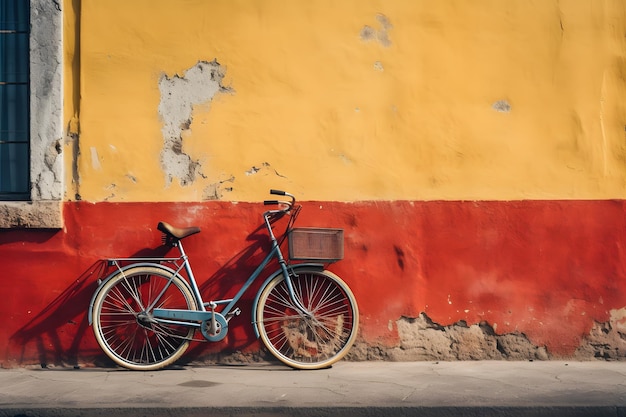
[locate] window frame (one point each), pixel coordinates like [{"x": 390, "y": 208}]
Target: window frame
[{"x": 44, "y": 209}]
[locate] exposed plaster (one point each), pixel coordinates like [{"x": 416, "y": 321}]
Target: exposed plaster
[
  {"x": 95, "y": 159},
  {"x": 422, "y": 339},
  {"x": 216, "y": 190},
  {"x": 46, "y": 113},
  {"x": 73, "y": 138},
  {"x": 179, "y": 94},
  {"x": 618, "y": 319},
  {"x": 502, "y": 106},
  {"x": 380, "y": 35},
  {"x": 606, "y": 340},
  {"x": 265, "y": 166}
]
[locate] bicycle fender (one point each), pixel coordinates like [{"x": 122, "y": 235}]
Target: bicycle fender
[
  {"x": 115, "y": 273},
  {"x": 295, "y": 268}
]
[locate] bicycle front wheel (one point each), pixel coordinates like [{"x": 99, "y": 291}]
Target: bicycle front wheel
[
  {"x": 123, "y": 323},
  {"x": 314, "y": 339}
]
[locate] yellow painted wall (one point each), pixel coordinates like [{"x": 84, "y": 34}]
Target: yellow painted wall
[{"x": 354, "y": 99}]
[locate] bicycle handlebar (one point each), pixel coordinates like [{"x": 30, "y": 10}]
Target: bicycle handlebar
[
  {"x": 289, "y": 204},
  {"x": 286, "y": 208}
]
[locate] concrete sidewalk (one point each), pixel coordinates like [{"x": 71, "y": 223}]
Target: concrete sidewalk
[{"x": 498, "y": 388}]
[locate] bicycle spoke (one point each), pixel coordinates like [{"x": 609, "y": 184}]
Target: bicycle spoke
[
  {"x": 133, "y": 292},
  {"x": 127, "y": 331},
  {"x": 311, "y": 339},
  {"x": 118, "y": 296},
  {"x": 158, "y": 297}
]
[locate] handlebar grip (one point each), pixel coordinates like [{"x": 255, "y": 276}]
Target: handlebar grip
[
  {"x": 270, "y": 202},
  {"x": 277, "y": 192}
]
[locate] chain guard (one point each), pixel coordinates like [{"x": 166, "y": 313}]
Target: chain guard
[{"x": 222, "y": 328}]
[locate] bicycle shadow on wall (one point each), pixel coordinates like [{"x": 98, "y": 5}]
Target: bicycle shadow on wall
[
  {"x": 63, "y": 318},
  {"x": 66, "y": 319}
]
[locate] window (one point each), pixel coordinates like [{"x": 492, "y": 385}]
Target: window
[
  {"x": 31, "y": 113},
  {"x": 14, "y": 100}
]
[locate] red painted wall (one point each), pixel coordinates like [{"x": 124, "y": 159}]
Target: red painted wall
[{"x": 547, "y": 269}]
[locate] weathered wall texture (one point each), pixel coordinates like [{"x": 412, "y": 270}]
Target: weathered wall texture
[
  {"x": 358, "y": 101},
  {"x": 473, "y": 152},
  {"x": 179, "y": 95},
  {"x": 434, "y": 280},
  {"x": 46, "y": 102}
]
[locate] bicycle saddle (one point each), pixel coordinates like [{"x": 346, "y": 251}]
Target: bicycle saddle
[{"x": 177, "y": 232}]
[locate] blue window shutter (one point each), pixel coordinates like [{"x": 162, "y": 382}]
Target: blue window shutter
[{"x": 14, "y": 100}]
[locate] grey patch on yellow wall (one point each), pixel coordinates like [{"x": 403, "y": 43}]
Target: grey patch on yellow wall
[
  {"x": 216, "y": 190},
  {"x": 254, "y": 169},
  {"x": 265, "y": 166},
  {"x": 381, "y": 35},
  {"x": 179, "y": 94},
  {"x": 501, "y": 106}
]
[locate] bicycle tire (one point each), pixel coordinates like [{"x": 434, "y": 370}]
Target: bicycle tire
[
  {"x": 308, "y": 342},
  {"x": 122, "y": 325}
]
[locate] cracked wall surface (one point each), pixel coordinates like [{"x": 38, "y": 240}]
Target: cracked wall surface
[
  {"x": 46, "y": 99},
  {"x": 423, "y": 339},
  {"x": 179, "y": 94},
  {"x": 606, "y": 340}
]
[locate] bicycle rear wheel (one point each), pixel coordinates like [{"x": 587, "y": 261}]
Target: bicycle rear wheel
[
  {"x": 123, "y": 323},
  {"x": 314, "y": 340}
]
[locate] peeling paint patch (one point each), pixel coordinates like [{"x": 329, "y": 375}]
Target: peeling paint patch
[
  {"x": 381, "y": 35},
  {"x": 52, "y": 153},
  {"x": 606, "y": 340},
  {"x": 265, "y": 166},
  {"x": 73, "y": 139},
  {"x": 618, "y": 319},
  {"x": 216, "y": 190},
  {"x": 253, "y": 170},
  {"x": 502, "y": 106},
  {"x": 423, "y": 339},
  {"x": 179, "y": 94},
  {"x": 95, "y": 160}
]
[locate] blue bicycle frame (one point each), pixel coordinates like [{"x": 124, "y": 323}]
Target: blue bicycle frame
[{"x": 214, "y": 325}]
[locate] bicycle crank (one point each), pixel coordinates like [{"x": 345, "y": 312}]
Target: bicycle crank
[{"x": 214, "y": 331}]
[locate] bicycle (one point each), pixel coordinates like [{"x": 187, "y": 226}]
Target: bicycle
[{"x": 145, "y": 313}]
